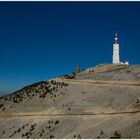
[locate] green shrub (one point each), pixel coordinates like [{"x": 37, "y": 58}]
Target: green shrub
[
  {"x": 3, "y": 108},
  {"x": 117, "y": 134},
  {"x": 18, "y": 130},
  {"x": 1, "y": 105},
  {"x": 56, "y": 122},
  {"x": 101, "y": 132},
  {"x": 69, "y": 108},
  {"x": 70, "y": 76},
  {"x": 51, "y": 136},
  {"x": 79, "y": 137}
]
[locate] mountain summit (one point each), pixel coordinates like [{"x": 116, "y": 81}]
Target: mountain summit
[{"x": 98, "y": 102}]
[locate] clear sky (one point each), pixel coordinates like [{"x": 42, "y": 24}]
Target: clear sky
[{"x": 42, "y": 40}]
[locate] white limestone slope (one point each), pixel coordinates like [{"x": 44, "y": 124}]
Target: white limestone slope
[{"x": 94, "y": 105}]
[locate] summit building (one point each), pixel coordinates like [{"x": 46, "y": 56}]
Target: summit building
[{"x": 116, "y": 55}]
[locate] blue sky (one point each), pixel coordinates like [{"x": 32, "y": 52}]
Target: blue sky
[{"x": 41, "y": 40}]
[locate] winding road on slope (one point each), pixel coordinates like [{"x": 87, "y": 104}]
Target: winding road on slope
[
  {"x": 72, "y": 114},
  {"x": 88, "y": 81}
]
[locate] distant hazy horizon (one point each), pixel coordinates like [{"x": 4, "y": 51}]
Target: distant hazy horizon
[{"x": 42, "y": 40}]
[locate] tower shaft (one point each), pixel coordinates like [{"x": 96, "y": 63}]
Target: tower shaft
[{"x": 116, "y": 57}]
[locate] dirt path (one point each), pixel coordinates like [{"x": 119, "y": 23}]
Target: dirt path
[
  {"x": 113, "y": 82},
  {"x": 70, "y": 114}
]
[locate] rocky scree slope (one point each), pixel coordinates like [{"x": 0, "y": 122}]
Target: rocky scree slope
[{"x": 61, "y": 108}]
